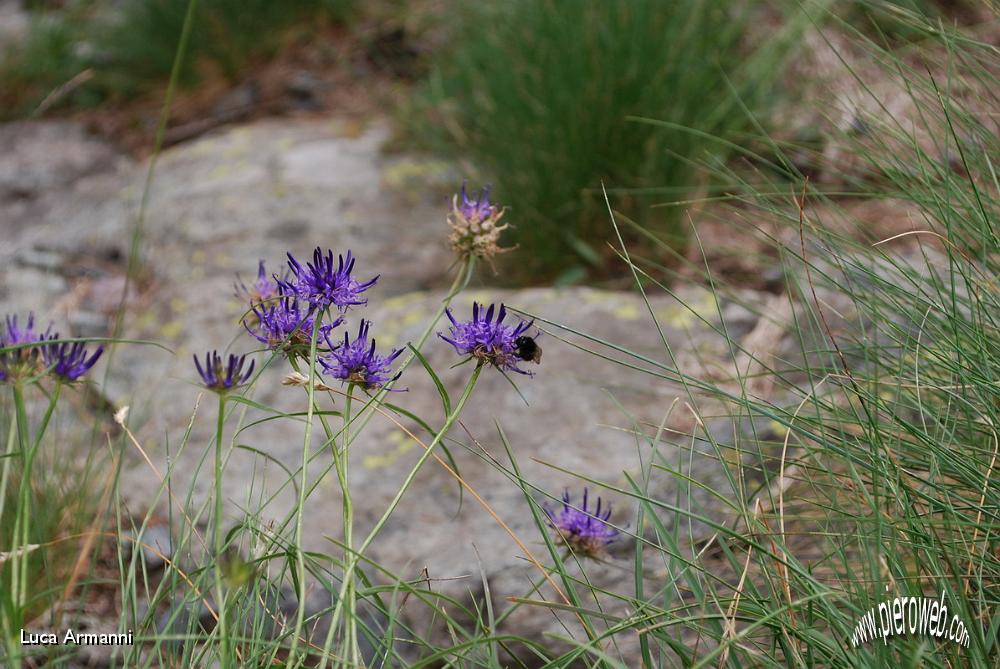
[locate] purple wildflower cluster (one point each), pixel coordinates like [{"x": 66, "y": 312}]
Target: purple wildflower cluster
[
  {"x": 286, "y": 323},
  {"x": 26, "y": 352},
  {"x": 488, "y": 340},
  {"x": 284, "y": 312},
  {"x": 581, "y": 529},
  {"x": 316, "y": 295}
]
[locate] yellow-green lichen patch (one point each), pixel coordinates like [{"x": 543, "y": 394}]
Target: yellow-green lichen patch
[
  {"x": 683, "y": 315},
  {"x": 172, "y": 330},
  {"x": 402, "y": 301},
  {"x": 401, "y": 445},
  {"x": 626, "y": 311}
]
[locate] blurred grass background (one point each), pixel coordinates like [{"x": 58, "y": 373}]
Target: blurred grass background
[
  {"x": 539, "y": 98},
  {"x": 128, "y": 48},
  {"x": 543, "y": 99}
]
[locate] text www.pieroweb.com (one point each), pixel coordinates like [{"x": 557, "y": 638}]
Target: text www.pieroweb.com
[{"x": 910, "y": 615}]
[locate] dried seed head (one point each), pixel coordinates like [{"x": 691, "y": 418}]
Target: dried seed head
[{"x": 475, "y": 226}]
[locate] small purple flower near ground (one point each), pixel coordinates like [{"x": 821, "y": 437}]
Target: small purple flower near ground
[
  {"x": 358, "y": 362},
  {"x": 286, "y": 323},
  {"x": 488, "y": 340},
  {"x": 581, "y": 529},
  {"x": 69, "y": 360},
  {"x": 222, "y": 377},
  {"x": 28, "y": 360},
  {"x": 323, "y": 284}
]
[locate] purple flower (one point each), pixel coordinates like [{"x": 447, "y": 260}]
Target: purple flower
[
  {"x": 488, "y": 340},
  {"x": 475, "y": 226},
  {"x": 222, "y": 377},
  {"x": 69, "y": 360},
  {"x": 285, "y": 323},
  {"x": 580, "y": 529},
  {"x": 322, "y": 284},
  {"x": 478, "y": 209},
  {"x": 264, "y": 288},
  {"x": 356, "y": 361},
  {"x": 25, "y": 361}
]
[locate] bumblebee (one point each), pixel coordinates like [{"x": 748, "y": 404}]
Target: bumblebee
[{"x": 527, "y": 349}]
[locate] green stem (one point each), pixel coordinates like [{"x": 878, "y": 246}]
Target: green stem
[
  {"x": 535, "y": 587},
  {"x": 11, "y": 640},
  {"x": 361, "y": 420},
  {"x": 340, "y": 458},
  {"x": 423, "y": 458},
  {"x": 352, "y": 627},
  {"x": 28, "y": 451},
  {"x": 219, "y": 536},
  {"x": 8, "y": 456},
  {"x": 461, "y": 280},
  {"x": 16, "y": 604},
  {"x": 407, "y": 482},
  {"x": 300, "y": 558}
]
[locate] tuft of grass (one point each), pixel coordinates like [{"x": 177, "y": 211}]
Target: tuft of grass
[
  {"x": 879, "y": 480},
  {"x": 539, "y": 95},
  {"x": 903, "y": 20},
  {"x": 67, "y": 499}
]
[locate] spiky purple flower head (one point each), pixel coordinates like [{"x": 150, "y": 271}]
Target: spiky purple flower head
[
  {"x": 286, "y": 323},
  {"x": 69, "y": 361},
  {"x": 220, "y": 376},
  {"x": 358, "y": 362},
  {"x": 488, "y": 340},
  {"x": 581, "y": 529},
  {"x": 25, "y": 361},
  {"x": 322, "y": 283}
]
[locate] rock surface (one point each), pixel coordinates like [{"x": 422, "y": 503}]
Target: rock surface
[
  {"x": 222, "y": 202},
  {"x": 14, "y": 23}
]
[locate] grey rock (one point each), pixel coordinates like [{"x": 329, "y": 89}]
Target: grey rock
[
  {"x": 88, "y": 324},
  {"x": 14, "y": 23},
  {"x": 238, "y": 102},
  {"x": 41, "y": 259},
  {"x": 156, "y": 545},
  {"x": 304, "y": 90},
  {"x": 42, "y": 158}
]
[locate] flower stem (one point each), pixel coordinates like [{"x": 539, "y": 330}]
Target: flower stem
[
  {"x": 461, "y": 280},
  {"x": 352, "y": 627},
  {"x": 300, "y": 558},
  {"x": 407, "y": 482},
  {"x": 8, "y": 456},
  {"x": 347, "y": 592},
  {"x": 220, "y": 595},
  {"x": 438, "y": 438},
  {"x": 28, "y": 451},
  {"x": 15, "y": 605}
]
